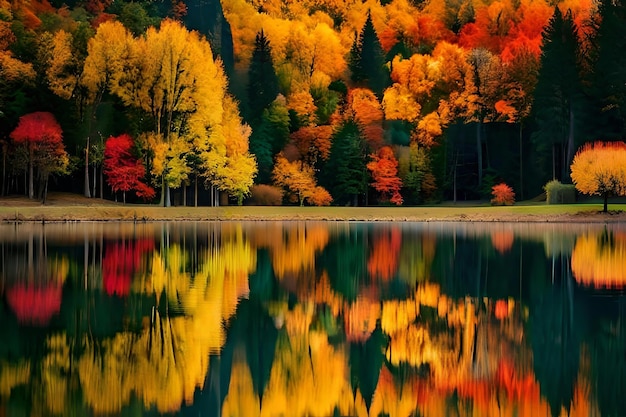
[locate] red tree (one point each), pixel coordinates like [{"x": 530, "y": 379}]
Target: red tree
[
  {"x": 124, "y": 170},
  {"x": 384, "y": 169},
  {"x": 42, "y": 137}
]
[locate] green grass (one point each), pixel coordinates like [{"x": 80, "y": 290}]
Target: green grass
[{"x": 444, "y": 212}]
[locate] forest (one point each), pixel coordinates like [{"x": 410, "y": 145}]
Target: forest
[{"x": 312, "y": 102}]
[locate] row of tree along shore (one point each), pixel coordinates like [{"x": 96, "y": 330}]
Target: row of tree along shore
[{"x": 312, "y": 103}]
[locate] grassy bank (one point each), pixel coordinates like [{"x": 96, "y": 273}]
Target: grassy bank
[{"x": 61, "y": 208}]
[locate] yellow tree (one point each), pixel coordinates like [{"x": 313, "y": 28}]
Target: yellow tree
[
  {"x": 171, "y": 75},
  {"x": 235, "y": 167},
  {"x": 600, "y": 169},
  {"x": 107, "y": 51},
  {"x": 299, "y": 178}
]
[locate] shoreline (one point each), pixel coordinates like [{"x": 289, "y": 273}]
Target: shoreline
[{"x": 68, "y": 214}]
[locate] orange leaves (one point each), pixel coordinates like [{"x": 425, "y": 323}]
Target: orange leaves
[
  {"x": 383, "y": 260},
  {"x": 367, "y": 111},
  {"x": 384, "y": 170},
  {"x": 503, "y": 195},
  {"x": 312, "y": 141},
  {"x": 504, "y": 108},
  {"x": 299, "y": 178}
]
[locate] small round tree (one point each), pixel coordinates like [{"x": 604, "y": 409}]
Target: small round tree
[{"x": 599, "y": 168}]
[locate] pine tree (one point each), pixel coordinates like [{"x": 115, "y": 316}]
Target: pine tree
[
  {"x": 608, "y": 80},
  {"x": 345, "y": 174},
  {"x": 263, "y": 84},
  {"x": 559, "y": 99},
  {"x": 367, "y": 60},
  {"x": 207, "y": 17}
]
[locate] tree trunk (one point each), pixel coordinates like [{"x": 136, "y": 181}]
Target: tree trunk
[
  {"x": 101, "y": 183},
  {"x": 184, "y": 195},
  {"x": 95, "y": 184},
  {"x": 195, "y": 192},
  {"x": 31, "y": 186},
  {"x": 606, "y": 203},
  {"x": 4, "y": 171},
  {"x": 521, "y": 163},
  {"x": 479, "y": 151},
  {"x": 569, "y": 155},
  {"x": 86, "y": 190}
]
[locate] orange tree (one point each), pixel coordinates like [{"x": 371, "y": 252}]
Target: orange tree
[{"x": 600, "y": 169}]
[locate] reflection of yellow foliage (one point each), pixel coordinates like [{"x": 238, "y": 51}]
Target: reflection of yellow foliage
[
  {"x": 12, "y": 375},
  {"x": 296, "y": 251},
  {"x": 600, "y": 264},
  {"x": 398, "y": 315},
  {"x": 241, "y": 399},
  {"x": 54, "y": 369},
  {"x": 308, "y": 377},
  {"x": 391, "y": 399}
]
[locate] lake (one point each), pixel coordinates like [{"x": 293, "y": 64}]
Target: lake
[{"x": 312, "y": 319}]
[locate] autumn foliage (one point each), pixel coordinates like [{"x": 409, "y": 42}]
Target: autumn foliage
[
  {"x": 384, "y": 170},
  {"x": 600, "y": 169},
  {"x": 124, "y": 170},
  {"x": 503, "y": 195}
]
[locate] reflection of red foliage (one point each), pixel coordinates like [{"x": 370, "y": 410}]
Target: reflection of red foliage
[
  {"x": 502, "y": 309},
  {"x": 120, "y": 262},
  {"x": 33, "y": 304},
  {"x": 383, "y": 260},
  {"x": 502, "y": 240},
  {"x": 517, "y": 387}
]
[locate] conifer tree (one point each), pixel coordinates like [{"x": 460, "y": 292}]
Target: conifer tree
[
  {"x": 367, "y": 60},
  {"x": 608, "y": 80},
  {"x": 345, "y": 174},
  {"x": 559, "y": 99},
  {"x": 263, "y": 84}
]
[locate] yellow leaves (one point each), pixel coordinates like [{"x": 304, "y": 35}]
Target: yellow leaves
[
  {"x": 600, "y": 168},
  {"x": 105, "y": 65},
  {"x": 13, "y": 375},
  {"x": 302, "y": 103},
  {"x": 400, "y": 104},
  {"x": 61, "y": 81},
  {"x": 298, "y": 178},
  {"x": 14, "y": 70},
  {"x": 241, "y": 400}
]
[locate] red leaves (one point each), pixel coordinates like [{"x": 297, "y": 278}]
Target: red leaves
[
  {"x": 503, "y": 195},
  {"x": 124, "y": 171},
  {"x": 120, "y": 263},
  {"x": 38, "y": 129}
]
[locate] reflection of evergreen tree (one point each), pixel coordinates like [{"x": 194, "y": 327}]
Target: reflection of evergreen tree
[
  {"x": 608, "y": 364},
  {"x": 345, "y": 259},
  {"x": 556, "y": 324},
  {"x": 366, "y": 360}
]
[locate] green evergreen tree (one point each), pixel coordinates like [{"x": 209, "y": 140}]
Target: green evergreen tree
[
  {"x": 268, "y": 138},
  {"x": 345, "y": 174},
  {"x": 207, "y": 17},
  {"x": 263, "y": 82},
  {"x": 608, "y": 79},
  {"x": 559, "y": 99},
  {"x": 367, "y": 60}
]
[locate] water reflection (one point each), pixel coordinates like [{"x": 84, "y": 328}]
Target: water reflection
[{"x": 312, "y": 319}]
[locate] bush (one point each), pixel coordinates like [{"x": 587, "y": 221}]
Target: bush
[
  {"x": 503, "y": 195},
  {"x": 557, "y": 193},
  {"x": 265, "y": 195}
]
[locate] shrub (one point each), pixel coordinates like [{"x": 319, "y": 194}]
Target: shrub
[
  {"x": 503, "y": 195},
  {"x": 265, "y": 195},
  {"x": 557, "y": 193}
]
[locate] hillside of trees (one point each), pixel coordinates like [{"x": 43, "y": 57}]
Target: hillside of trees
[{"x": 312, "y": 102}]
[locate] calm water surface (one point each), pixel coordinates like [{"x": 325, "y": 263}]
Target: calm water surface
[{"x": 312, "y": 319}]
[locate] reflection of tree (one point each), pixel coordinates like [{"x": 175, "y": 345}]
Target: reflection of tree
[
  {"x": 599, "y": 260},
  {"x": 345, "y": 260},
  {"x": 608, "y": 365},
  {"x": 382, "y": 263},
  {"x": 555, "y": 325},
  {"x": 122, "y": 259}
]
